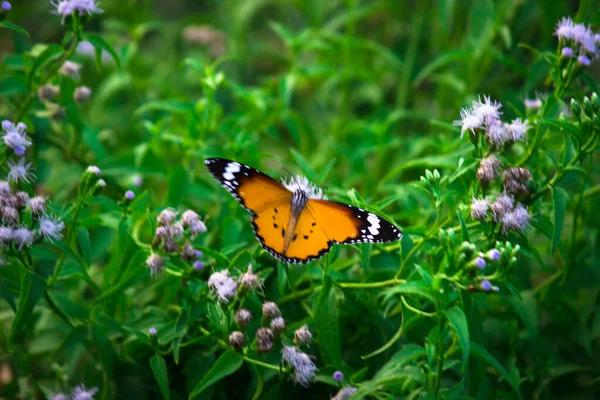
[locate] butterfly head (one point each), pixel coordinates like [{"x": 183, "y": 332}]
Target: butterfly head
[{"x": 301, "y": 185}]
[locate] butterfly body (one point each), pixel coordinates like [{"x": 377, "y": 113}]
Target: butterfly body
[{"x": 292, "y": 220}]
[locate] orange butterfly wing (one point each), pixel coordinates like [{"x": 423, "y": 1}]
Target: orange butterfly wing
[{"x": 267, "y": 200}]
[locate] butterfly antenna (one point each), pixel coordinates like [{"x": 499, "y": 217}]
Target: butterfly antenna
[{"x": 289, "y": 173}]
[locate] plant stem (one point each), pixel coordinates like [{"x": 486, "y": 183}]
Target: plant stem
[
  {"x": 57, "y": 309},
  {"x": 440, "y": 349},
  {"x": 371, "y": 285},
  {"x": 262, "y": 364}
]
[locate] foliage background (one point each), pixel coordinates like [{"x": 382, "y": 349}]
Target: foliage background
[{"x": 359, "y": 96}]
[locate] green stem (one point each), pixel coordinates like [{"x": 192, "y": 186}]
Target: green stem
[
  {"x": 440, "y": 351},
  {"x": 57, "y": 309},
  {"x": 370, "y": 285},
  {"x": 262, "y": 364}
]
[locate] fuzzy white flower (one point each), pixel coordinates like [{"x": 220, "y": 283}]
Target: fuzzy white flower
[
  {"x": 15, "y": 136},
  {"x": 51, "y": 227},
  {"x": 222, "y": 285},
  {"x": 516, "y": 219},
  {"x": 468, "y": 121},
  {"x": 81, "y": 393},
  {"x": 497, "y": 133},
  {"x": 304, "y": 368},
  {"x": 23, "y": 237},
  {"x": 19, "y": 171},
  {"x": 517, "y": 129},
  {"x": 300, "y": 183},
  {"x": 479, "y": 208},
  {"x": 488, "y": 111}
]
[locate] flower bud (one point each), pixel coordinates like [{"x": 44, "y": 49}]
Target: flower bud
[
  {"x": 161, "y": 233},
  {"x": 152, "y": 331},
  {"x": 170, "y": 245},
  {"x": 596, "y": 103},
  {"x": 82, "y": 94},
  {"x": 575, "y": 108},
  {"x": 493, "y": 255},
  {"x": 187, "y": 253},
  {"x": 249, "y": 280},
  {"x": 198, "y": 265},
  {"x": 70, "y": 69},
  {"x": 5, "y": 7},
  {"x": 338, "y": 376},
  {"x": 166, "y": 217},
  {"x": 566, "y": 52},
  {"x": 129, "y": 195},
  {"x": 278, "y": 325},
  {"x": 488, "y": 170},
  {"x": 345, "y": 393},
  {"x": 48, "y": 92},
  {"x": 155, "y": 263},
  {"x": 587, "y": 107},
  {"x": 264, "y": 340},
  {"x": 479, "y": 263},
  {"x": 514, "y": 180},
  {"x": 302, "y": 336},
  {"x": 270, "y": 310},
  {"x": 242, "y": 317},
  {"x": 101, "y": 184},
  {"x": 237, "y": 340},
  {"x": 37, "y": 205}
]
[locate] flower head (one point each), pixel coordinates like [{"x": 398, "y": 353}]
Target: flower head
[
  {"x": 187, "y": 252},
  {"x": 488, "y": 169},
  {"x": 129, "y": 195},
  {"x": 9, "y": 214},
  {"x": 198, "y": 265},
  {"x": 15, "y": 136},
  {"x": 479, "y": 262},
  {"x": 5, "y": 188},
  {"x": 302, "y": 336},
  {"x": 152, "y": 331},
  {"x": 264, "y": 340},
  {"x": 81, "y": 393},
  {"x": 301, "y": 184},
  {"x": 176, "y": 230},
  {"x": 516, "y": 219},
  {"x": 51, "y": 227},
  {"x": 497, "y": 133},
  {"x": 71, "y": 69},
  {"x": 565, "y": 29},
  {"x": 166, "y": 217},
  {"x": 533, "y": 104},
  {"x": 345, "y": 393},
  {"x": 278, "y": 324},
  {"x": 23, "y": 237},
  {"x": 65, "y": 8},
  {"x": 48, "y": 92},
  {"x": 270, "y": 310},
  {"x": 249, "y": 280},
  {"x": 242, "y": 317},
  {"x": 584, "y": 60},
  {"x": 486, "y": 285},
  {"x": 193, "y": 222},
  {"x": 517, "y": 129},
  {"x": 156, "y": 264},
  {"x": 479, "y": 208},
  {"x": 82, "y": 94},
  {"x": 514, "y": 180},
  {"x": 222, "y": 285},
  {"x": 468, "y": 121},
  {"x": 237, "y": 340},
  {"x": 503, "y": 204},
  {"x": 92, "y": 169},
  {"x": 566, "y": 52},
  {"x": 6, "y": 235},
  {"x": 338, "y": 376},
  {"x": 6, "y": 6},
  {"x": 20, "y": 170},
  {"x": 488, "y": 111},
  {"x": 304, "y": 368},
  {"x": 493, "y": 255}
]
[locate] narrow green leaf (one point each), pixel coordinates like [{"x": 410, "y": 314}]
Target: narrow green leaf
[
  {"x": 326, "y": 317},
  {"x": 226, "y": 364},
  {"x": 463, "y": 227},
  {"x": 482, "y": 353},
  {"x": 217, "y": 317},
  {"x": 13, "y": 27},
  {"x": 100, "y": 44},
  {"x": 458, "y": 322},
  {"x": 559, "y": 197},
  {"x": 85, "y": 244},
  {"x": 398, "y": 360},
  {"x": 159, "y": 368},
  {"x": 32, "y": 290},
  {"x": 51, "y": 52}
]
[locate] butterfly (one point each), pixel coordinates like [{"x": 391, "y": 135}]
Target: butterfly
[{"x": 293, "y": 220}]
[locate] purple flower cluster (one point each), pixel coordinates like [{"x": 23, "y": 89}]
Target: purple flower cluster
[
  {"x": 484, "y": 116},
  {"x": 512, "y": 216},
  {"x": 577, "y": 40},
  {"x": 79, "y": 393},
  {"x": 66, "y": 8}
]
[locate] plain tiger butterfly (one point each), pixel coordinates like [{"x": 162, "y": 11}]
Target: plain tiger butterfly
[{"x": 292, "y": 220}]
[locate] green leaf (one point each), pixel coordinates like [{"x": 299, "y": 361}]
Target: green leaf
[
  {"x": 12, "y": 85},
  {"x": 159, "y": 368},
  {"x": 227, "y": 364},
  {"x": 559, "y": 197},
  {"x": 32, "y": 290},
  {"x": 100, "y": 44},
  {"x": 85, "y": 244},
  {"x": 134, "y": 268},
  {"x": 458, "y": 322},
  {"x": 463, "y": 227},
  {"x": 217, "y": 317},
  {"x": 173, "y": 106},
  {"x": 51, "y": 52},
  {"x": 13, "y": 27},
  {"x": 326, "y": 316},
  {"x": 483, "y": 354}
]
